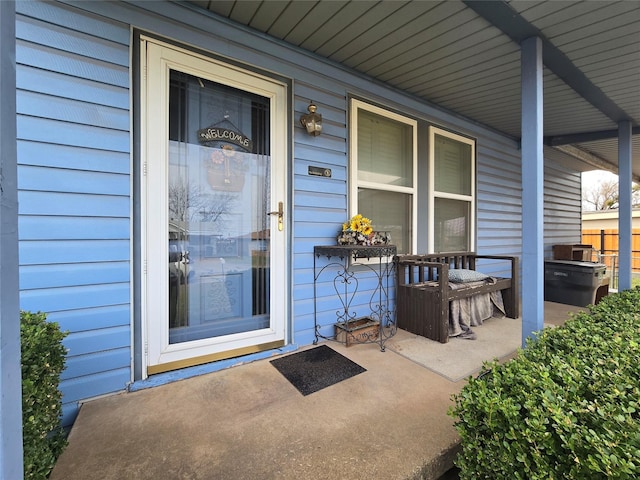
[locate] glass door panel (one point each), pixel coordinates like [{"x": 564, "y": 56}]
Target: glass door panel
[
  {"x": 218, "y": 202},
  {"x": 215, "y": 156}
]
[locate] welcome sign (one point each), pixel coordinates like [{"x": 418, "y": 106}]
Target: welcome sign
[{"x": 217, "y": 134}]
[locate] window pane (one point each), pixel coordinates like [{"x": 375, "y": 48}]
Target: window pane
[
  {"x": 452, "y": 166},
  {"x": 452, "y": 225},
  {"x": 389, "y": 212},
  {"x": 385, "y": 150}
]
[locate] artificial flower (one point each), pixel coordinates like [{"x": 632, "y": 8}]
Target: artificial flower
[{"x": 359, "y": 231}]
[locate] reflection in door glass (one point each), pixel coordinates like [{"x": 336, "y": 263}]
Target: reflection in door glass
[{"x": 218, "y": 199}]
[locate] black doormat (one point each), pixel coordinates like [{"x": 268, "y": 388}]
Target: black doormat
[{"x": 316, "y": 368}]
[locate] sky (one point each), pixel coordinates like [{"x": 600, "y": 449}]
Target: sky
[
  {"x": 596, "y": 176},
  {"x": 592, "y": 179}
]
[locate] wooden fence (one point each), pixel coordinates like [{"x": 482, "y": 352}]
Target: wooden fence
[{"x": 605, "y": 244}]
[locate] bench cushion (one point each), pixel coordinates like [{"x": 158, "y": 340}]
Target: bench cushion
[{"x": 462, "y": 275}]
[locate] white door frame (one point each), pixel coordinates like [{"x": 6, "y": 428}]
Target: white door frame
[{"x": 157, "y": 59}]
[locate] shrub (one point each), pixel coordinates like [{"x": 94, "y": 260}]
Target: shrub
[
  {"x": 567, "y": 407},
  {"x": 42, "y": 361}
]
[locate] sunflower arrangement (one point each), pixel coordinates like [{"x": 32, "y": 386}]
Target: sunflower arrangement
[{"x": 359, "y": 231}]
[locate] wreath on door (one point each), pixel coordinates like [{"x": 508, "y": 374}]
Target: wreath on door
[
  {"x": 226, "y": 169},
  {"x": 225, "y": 162}
]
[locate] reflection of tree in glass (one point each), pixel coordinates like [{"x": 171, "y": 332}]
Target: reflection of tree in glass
[{"x": 187, "y": 203}]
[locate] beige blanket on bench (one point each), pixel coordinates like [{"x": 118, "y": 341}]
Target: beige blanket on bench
[{"x": 473, "y": 311}]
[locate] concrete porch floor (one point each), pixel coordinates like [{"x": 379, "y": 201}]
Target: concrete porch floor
[{"x": 249, "y": 422}]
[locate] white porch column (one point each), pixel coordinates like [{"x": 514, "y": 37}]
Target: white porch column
[
  {"x": 532, "y": 189},
  {"x": 10, "y": 374},
  {"x": 624, "y": 210}
]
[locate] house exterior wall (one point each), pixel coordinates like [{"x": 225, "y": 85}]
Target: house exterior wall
[
  {"x": 607, "y": 220},
  {"x": 76, "y": 169},
  {"x": 74, "y": 162},
  {"x": 562, "y": 203}
]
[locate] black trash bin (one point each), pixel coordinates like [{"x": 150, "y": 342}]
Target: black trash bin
[{"x": 572, "y": 282}]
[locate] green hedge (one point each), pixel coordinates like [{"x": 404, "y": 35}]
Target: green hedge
[
  {"x": 567, "y": 407},
  {"x": 43, "y": 357}
]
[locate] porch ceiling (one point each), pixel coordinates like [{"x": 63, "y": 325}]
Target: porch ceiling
[{"x": 465, "y": 56}]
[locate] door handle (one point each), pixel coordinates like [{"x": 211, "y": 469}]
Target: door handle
[{"x": 280, "y": 213}]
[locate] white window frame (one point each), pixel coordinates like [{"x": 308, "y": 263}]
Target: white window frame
[
  {"x": 434, "y": 194},
  {"x": 354, "y": 183}
]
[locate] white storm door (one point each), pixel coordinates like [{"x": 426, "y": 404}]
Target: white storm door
[{"x": 213, "y": 209}]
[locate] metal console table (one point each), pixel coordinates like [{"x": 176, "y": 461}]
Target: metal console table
[{"x": 347, "y": 261}]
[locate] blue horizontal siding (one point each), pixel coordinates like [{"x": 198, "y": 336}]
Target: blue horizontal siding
[
  {"x": 312, "y": 184},
  {"x": 72, "y": 181},
  {"x": 304, "y": 322},
  {"x": 96, "y": 318},
  {"x": 60, "y": 85},
  {"x": 64, "y": 133},
  {"x": 326, "y": 215},
  {"x": 47, "y": 58},
  {"x": 74, "y": 145},
  {"x": 492, "y": 189},
  {"x": 332, "y": 103},
  {"x": 304, "y": 336},
  {"x": 78, "y": 158},
  {"x": 303, "y": 268},
  {"x": 72, "y": 204},
  {"x": 319, "y": 198},
  {"x": 498, "y": 199},
  {"x": 317, "y": 230},
  {"x": 75, "y": 389},
  {"x": 102, "y": 340},
  {"x": 71, "y": 41},
  {"x": 323, "y": 236},
  {"x": 40, "y": 227},
  {"x": 81, "y": 365},
  {"x": 505, "y": 241},
  {"x": 69, "y": 298},
  {"x": 315, "y": 154},
  {"x": 562, "y": 202},
  {"x": 509, "y": 219},
  {"x": 304, "y": 307},
  {"x": 73, "y": 251},
  {"x": 75, "y": 274},
  {"x": 74, "y": 19},
  {"x": 74, "y": 111}
]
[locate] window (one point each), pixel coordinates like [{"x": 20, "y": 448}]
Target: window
[
  {"x": 383, "y": 171},
  {"x": 452, "y": 192}
]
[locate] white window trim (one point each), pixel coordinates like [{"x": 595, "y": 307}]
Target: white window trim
[
  {"x": 433, "y": 193},
  {"x": 356, "y": 105}
]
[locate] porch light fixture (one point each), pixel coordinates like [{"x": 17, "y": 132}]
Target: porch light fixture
[{"x": 312, "y": 121}]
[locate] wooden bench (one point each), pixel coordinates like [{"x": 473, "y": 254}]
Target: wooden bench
[{"x": 423, "y": 293}]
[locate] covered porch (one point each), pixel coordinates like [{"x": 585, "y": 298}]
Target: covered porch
[
  {"x": 540, "y": 85},
  {"x": 249, "y": 422}
]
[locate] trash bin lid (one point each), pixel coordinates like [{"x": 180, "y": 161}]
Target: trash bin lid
[{"x": 576, "y": 264}]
